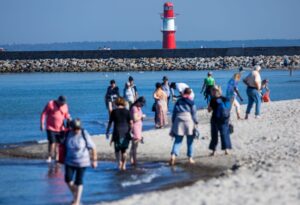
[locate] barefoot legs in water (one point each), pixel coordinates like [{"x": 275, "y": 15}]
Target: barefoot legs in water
[
  {"x": 133, "y": 152},
  {"x": 123, "y": 161},
  {"x": 76, "y": 192},
  {"x": 172, "y": 160}
]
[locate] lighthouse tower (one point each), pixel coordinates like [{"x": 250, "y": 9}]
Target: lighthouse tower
[{"x": 168, "y": 28}]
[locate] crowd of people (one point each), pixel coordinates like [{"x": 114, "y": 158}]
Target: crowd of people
[{"x": 70, "y": 144}]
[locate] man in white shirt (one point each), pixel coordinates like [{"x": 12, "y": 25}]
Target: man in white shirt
[
  {"x": 180, "y": 87},
  {"x": 253, "y": 82}
]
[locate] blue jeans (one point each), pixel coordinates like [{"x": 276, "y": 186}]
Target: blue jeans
[
  {"x": 223, "y": 128},
  {"x": 178, "y": 142},
  {"x": 253, "y": 96}
]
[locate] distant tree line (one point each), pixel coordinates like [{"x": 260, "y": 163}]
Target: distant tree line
[{"x": 147, "y": 45}]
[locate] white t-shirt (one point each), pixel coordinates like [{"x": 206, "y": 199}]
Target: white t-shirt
[{"x": 182, "y": 86}]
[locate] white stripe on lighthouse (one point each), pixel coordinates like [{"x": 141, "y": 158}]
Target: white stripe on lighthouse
[{"x": 169, "y": 24}]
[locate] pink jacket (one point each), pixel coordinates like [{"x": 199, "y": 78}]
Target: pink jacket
[{"x": 55, "y": 116}]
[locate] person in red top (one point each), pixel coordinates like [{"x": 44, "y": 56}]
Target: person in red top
[{"x": 54, "y": 113}]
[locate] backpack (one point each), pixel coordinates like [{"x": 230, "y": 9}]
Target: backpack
[
  {"x": 62, "y": 148},
  {"x": 223, "y": 110}
]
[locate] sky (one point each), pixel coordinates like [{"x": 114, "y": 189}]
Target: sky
[{"x": 48, "y": 21}]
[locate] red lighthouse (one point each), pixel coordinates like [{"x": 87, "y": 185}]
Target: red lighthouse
[{"x": 169, "y": 28}]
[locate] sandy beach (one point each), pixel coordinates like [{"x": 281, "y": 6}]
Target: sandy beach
[{"x": 264, "y": 167}]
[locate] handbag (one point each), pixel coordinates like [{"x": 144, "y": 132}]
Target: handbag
[{"x": 154, "y": 107}]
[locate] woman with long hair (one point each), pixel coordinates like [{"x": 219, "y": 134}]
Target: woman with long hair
[{"x": 137, "y": 117}]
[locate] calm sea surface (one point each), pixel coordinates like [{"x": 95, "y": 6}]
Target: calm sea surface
[{"x": 23, "y": 96}]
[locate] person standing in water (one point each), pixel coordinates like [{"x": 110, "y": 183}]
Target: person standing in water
[
  {"x": 55, "y": 113},
  {"x": 112, "y": 93},
  {"x": 129, "y": 94},
  {"x": 208, "y": 84},
  {"x": 253, "y": 82},
  {"x": 184, "y": 121},
  {"x": 161, "y": 100},
  {"x": 219, "y": 122},
  {"x": 121, "y": 133},
  {"x": 232, "y": 93},
  {"x": 78, "y": 143},
  {"x": 137, "y": 117},
  {"x": 133, "y": 87},
  {"x": 180, "y": 87},
  {"x": 286, "y": 64}
]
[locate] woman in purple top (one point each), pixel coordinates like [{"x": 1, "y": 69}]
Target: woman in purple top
[{"x": 78, "y": 143}]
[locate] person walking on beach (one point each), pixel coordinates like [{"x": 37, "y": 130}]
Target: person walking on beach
[
  {"x": 180, "y": 87},
  {"x": 208, "y": 84},
  {"x": 133, "y": 87},
  {"x": 112, "y": 93},
  {"x": 232, "y": 93},
  {"x": 184, "y": 122},
  {"x": 129, "y": 94},
  {"x": 121, "y": 132},
  {"x": 78, "y": 143},
  {"x": 161, "y": 99},
  {"x": 137, "y": 117},
  {"x": 166, "y": 87},
  {"x": 54, "y": 114},
  {"x": 253, "y": 82},
  {"x": 220, "y": 108}
]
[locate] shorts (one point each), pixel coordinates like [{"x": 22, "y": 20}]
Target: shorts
[
  {"x": 79, "y": 173},
  {"x": 55, "y": 137},
  {"x": 122, "y": 144}
]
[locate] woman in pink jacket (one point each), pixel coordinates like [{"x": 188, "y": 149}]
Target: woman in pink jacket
[{"x": 137, "y": 118}]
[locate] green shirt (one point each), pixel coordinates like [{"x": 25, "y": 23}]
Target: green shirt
[{"x": 210, "y": 81}]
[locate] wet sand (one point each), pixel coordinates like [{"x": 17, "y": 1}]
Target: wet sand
[{"x": 262, "y": 169}]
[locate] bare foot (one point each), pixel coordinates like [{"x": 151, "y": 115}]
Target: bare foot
[
  {"x": 123, "y": 167},
  {"x": 191, "y": 161},
  {"x": 49, "y": 160},
  {"x": 212, "y": 153},
  {"x": 227, "y": 152},
  {"x": 172, "y": 161}
]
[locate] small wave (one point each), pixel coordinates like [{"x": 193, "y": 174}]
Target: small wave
[{"x": 136, "y": 180}]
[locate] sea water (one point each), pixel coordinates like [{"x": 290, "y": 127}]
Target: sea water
[
  {"x": 23, "y": 96},
  {"x": 32, "y": 182}
]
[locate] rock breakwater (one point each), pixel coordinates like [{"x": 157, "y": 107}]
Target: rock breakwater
[{"x": 143, "y": 64}]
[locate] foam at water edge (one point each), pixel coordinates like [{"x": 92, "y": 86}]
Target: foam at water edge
[{"x": 145, "y": 179}]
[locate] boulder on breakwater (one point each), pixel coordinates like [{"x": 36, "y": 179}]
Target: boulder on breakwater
[{"x": 143, "y": 64}]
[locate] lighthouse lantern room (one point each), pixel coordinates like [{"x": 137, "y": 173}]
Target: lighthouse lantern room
[{"x": 168, "y": 28}]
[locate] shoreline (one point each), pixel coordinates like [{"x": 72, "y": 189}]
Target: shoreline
[{"x": 262, "y": 169}]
